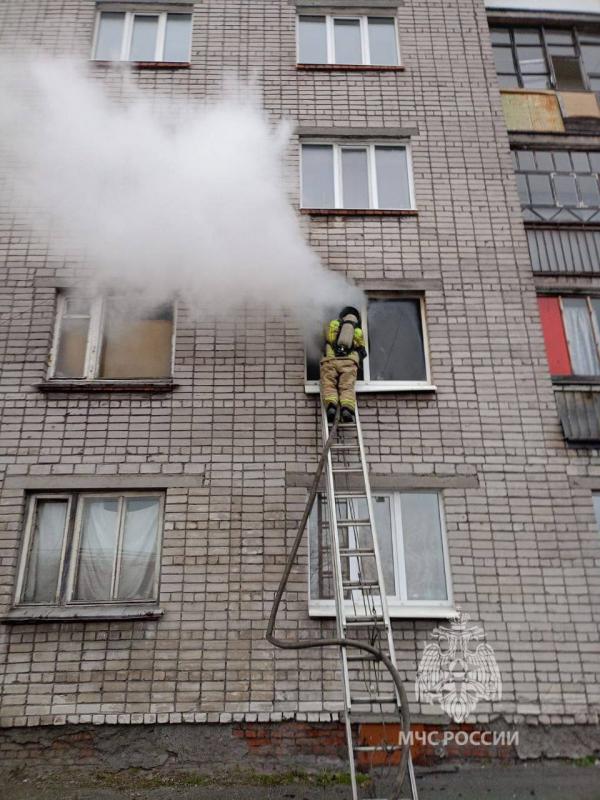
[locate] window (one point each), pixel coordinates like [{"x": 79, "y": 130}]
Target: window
[
  {"x": 102, "y": 339},
  {"x": 596, "y": 501},
  {"x": 142, "y": 36},
  {"x": 90, "y": 548},
  {"x": 396, "y": 340},
  {"x": 412, "y": 547},
  {"x": 356, "y": 176},
  {"x": 348, "y": 41},
  {"x": 558, "y": 185},
  {"x": 567, "y": 59},
  {"x": 571, "y": 328}
]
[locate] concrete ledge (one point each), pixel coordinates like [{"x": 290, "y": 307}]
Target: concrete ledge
[
  {"x": 300, "y": 479},
  {"x": 93, "y": 613},
  {"x": 401, "y": 285},
  {"x": 102, "y": 482},
  {"x": 345, "y": 132}
]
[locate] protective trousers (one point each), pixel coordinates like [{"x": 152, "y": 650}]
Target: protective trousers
[{"x": 338, "y": 380}]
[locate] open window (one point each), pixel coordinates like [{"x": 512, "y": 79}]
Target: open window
[
  {"x": 412, "y": 547},
  {"x": 105, "y": 339},
  {"x": 142, "y": 36},
  {"x": 396, "y": 341},
  {"x": 90, "y": 549},
  {"x": 571, "y": 327}
]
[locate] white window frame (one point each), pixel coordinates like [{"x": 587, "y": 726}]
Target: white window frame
[
  {"x": 370, "y": 147},
  {"x": 363, "y": 20},
  {"x": 70, "y": 547},
  {"x": 593, "y": 322},
  {"x": 128, "y": 31},
  {"x": 94, "y": 343},
  {"x": 398, "y": 605},
  {"x": 367, "y": 385}
]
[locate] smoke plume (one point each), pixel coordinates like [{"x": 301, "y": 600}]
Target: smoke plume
[{"x": 161, "y": 198}]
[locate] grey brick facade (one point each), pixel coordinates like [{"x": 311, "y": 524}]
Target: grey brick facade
[{"x": 523, "y": 543}]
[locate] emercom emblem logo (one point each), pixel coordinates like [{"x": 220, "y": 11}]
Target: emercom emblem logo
[{"x": 458, "y": 670}]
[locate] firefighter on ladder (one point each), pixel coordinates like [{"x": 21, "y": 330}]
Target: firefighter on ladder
[{"x": 344, "y": 352}]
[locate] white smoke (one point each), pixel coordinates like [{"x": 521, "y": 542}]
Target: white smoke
[{"x": 162, "y": 198}]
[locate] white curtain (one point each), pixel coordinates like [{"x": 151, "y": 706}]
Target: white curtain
[
  {"x": 138, "y": 554},
  {"x": 44, "y": 558},
  {"x": 423, "y": 550},
  {"x": 582, "y": 347},
  {"x": 97, "y": 548}
]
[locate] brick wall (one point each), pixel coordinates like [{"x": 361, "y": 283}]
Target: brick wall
[{"x": 524, "y": 548}]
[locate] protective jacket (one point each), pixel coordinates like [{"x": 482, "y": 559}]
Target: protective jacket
[{"x": 357, "y": 351}]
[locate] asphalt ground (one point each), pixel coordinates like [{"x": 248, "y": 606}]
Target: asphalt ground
[{"x": 545, "y": 781}]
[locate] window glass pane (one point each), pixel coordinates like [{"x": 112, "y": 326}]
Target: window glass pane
[
  {"x": 382, "y": 41},
  {"x": 355, "y": 179},
  {"x": 522, "y": 189},
  {"x": 312, "y": 40},
  {"x": 527, "y": 36},
  {"x": 137, "y": 569},
  {"x": 317, "y": 176},
  {"x": 594, "y": 84},
  {"x": 395, "y": 340},
  {"x": 504, "y": 59},
  {"x": 526, "y": 159},
  {"x": 595, "y": 301},
  {"x": 566, "y": 190},
  {"x": 580, "y": 337},
  {"x": 97, "y": 549},
  {"x": 393, "y": 189},
  {"x": 540, "y": 190},
  {"x": 177, "y": 37},
  {"x": 137, "y": 348},
  {"x": 562, "y": 161},
  {"x": 536, "y": 81},
  {"x": 544, "y": 161},
  {"x": 596, "y": 499},
  {"x": 555, "y": 36},
  {"x": 500, "y": 36},
  {"x": 423, "y": 547},
  {"x": 568, "y": 74},
  {"x": 72, "y": 339},
  {"x": 43, "y": 565},
  {"x": 580, "y": 161},
  {"x": 590, "y": 53},
  {"x": 531, "y": 60},
  {"x": 110, "y": 36},
  {"x": 588, "y": 190},
  {"x": 347, "y": 41},
  {"x": 143, "y": 41},
  {"x": 508, "y": 81},
  {"x": 594, "y": 161}
]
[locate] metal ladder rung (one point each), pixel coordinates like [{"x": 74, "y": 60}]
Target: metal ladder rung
[
  {"x": 364, "y": 618},
  {"x": 362, "y": 657},
  {"x": 349, "y": 495},
  {"x": 349, "y": 523},
  {"x": 377, "y": 748},
  {"x": 367, "y": 623},
  {"x": 352, "y": 552},
  {"x": 347, "y": 469},
  {"x": 359, "y": 585},
  {"x": 377, "y": 699}
]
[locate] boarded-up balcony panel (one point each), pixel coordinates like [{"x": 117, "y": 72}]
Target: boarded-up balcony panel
[
  {"x": 532, "y": 111},
  {"x": 580, "y": 111},
  {"x": 561, "y": 250},
  {"x": 579, "y": 412}
]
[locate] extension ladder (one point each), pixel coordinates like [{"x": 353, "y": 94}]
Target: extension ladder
[{"x": 361, "y": 606}]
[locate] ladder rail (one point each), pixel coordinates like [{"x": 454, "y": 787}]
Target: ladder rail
[{"x": 405, "y": 766}]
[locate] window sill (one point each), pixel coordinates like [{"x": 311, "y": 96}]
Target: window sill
[
  {"x": 168, "y": 65},
  {"x": 79, "y": 613},
  {"x": 351, "y": 67},
  {"x": 391, "y": 386},
  {"x": 360, "y": 212},
  {"x": 144, "y": 386},
  {"x": 325, "y": 609}
]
